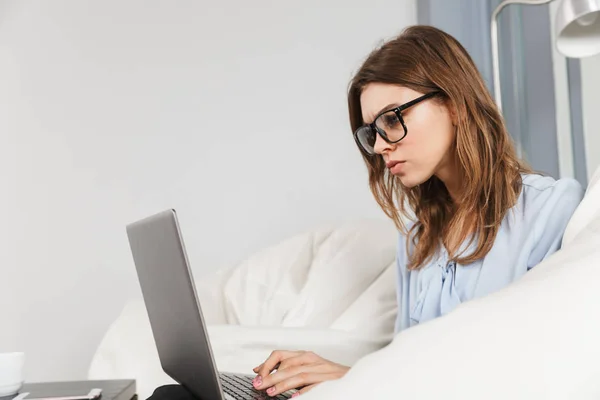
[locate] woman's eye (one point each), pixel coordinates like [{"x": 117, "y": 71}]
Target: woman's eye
[{"x": 390, "y": 120}]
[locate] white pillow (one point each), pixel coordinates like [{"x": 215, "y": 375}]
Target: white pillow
[
  {"x": 312, "y": 279},
  {"x": 536, "y": 339}
]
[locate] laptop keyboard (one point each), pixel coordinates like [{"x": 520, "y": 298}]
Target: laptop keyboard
[{"x": 240, "y": 388}]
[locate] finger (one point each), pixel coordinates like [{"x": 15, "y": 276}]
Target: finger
[
  {"x": 275, "y": 358},
  {"x": 300, "y": 380},
  {"x": 305, "y": 358},
  {"x": 256, "y": 369},
  {"x": 283, "y": 374}
]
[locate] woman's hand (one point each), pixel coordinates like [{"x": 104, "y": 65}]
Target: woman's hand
[{"x": 295, "y": 369}]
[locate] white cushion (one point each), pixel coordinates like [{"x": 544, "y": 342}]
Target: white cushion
[
  {"x": 331, "y": 290},
  {"x": 539, "y": 338},
  {"x": 588, "y": 209}
]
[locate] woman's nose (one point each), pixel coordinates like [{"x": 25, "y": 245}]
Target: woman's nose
[{"x": 381, "y": 146}]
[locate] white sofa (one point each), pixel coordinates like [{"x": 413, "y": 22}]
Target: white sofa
[
  {"x": 539, "y": 338},
  {"x": 331, "y": 290}
]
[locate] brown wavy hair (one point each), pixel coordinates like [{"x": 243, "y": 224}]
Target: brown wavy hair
[{"x": 426, "y": 59}]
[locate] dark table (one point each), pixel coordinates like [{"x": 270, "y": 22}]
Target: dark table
[{"x": 123, "y": 389}]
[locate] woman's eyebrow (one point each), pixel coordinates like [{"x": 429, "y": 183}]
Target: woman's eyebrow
[{"x": 386, "y": 108}]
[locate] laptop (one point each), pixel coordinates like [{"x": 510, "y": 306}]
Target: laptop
[{"x": 175, "y": 315}]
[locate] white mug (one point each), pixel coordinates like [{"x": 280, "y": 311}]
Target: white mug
[{"x": 11, "y": 373}]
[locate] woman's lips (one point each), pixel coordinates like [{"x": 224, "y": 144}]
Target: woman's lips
[{"x": 395, "y": 167}]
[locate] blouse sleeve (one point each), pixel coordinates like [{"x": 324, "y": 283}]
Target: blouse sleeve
[
  {"x": 555, "y": 210},
  {"x": 402, "y": 284}
]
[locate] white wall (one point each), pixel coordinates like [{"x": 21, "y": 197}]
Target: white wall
[
  {"x": 232, "y": 112},
  {"x": 590, "y": 93}
]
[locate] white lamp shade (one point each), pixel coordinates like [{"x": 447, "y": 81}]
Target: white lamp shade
[{"x": 578, "y": 28}]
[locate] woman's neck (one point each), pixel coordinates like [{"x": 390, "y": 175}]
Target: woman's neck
[
  {"x": 451, "y": 177},
  {"x": 458, "y": 231}
]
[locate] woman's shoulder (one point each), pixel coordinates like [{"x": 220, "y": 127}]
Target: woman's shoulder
[
  {"x": 546, "y": 197},
  {"x": 548, "y": 206},
  {"x": 539, "y": 189}
]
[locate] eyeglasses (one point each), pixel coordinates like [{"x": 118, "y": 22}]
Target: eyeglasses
[{"x": 387, "y": 124}]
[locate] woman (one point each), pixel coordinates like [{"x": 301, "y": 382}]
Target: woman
[{"x": 473, "y": 218}]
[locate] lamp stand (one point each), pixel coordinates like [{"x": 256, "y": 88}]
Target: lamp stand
[{"x": 495, "y": 51}]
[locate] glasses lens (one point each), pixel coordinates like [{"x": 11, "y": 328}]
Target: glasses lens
[
  {"x": 391, "y": 125},
  {"x": 366, "y": 138}
]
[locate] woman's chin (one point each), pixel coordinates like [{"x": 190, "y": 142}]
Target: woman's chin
[
  {"x": 407, "y": 182},
  {"x": 410, "y": 181}
]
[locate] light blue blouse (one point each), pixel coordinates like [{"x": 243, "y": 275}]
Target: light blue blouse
[{"x": 531, "y": 231}]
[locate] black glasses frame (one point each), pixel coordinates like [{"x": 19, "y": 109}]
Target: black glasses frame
[{"x": 398, "y": 111}]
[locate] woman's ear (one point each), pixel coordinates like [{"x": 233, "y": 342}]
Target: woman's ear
[{"x": 453, "y": 114}]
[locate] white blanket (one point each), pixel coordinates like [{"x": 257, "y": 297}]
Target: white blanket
[{"x": 537, "y": 339}]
